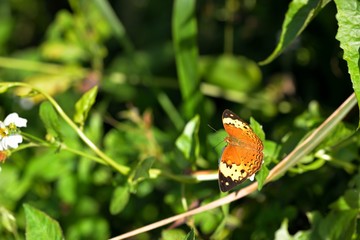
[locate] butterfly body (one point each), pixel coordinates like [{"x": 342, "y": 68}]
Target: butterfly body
[{"x": 242, "y": 157}]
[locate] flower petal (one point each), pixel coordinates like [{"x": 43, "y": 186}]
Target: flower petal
[
  {"x": 11, "y": 141},
  {"x": 14, "y": 118}
]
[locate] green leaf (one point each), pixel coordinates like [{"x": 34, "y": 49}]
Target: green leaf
[
  {"x": 231, "y": 72},
  {"x": 339, "y": 225},
  {"x": 190, "y": 235},
  {"x": 188, "y": 141},
  {"x": 257, "y": 128},
  {"x": 340, "y": 204},
  {"x": 271, "y": 152},
  {"x": 8, "y": 220},
  {"x": 174, "y": 234},
  {"x": 261, "y": 176},
  {"x": 50, "y": 119},
  {"x": 184, "y": 31},
  {"x": 298, "y": 16},
  {"x": 208, "y": 221},
  {"x": 264, "y": 171},
  {"x": 119, "y": 199},
  {"x": 141, "y": 172},
  {"x": 40, "y": 226},
  {"x": 352, "y": 198},
  {"x": 282, "y": 232},
  {"x": 83, "y": 106},
  {"x": 349, "y": 37}
]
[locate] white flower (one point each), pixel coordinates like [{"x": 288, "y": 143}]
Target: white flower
[
  {"x": 9, "y": 133},
  {"x": 15, "y": 119},
  {"x": 11, "y": 141}
]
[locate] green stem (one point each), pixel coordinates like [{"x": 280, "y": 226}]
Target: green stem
[
  {"x": 120, "y": 168},
  {"x": 33, "y": 66}
]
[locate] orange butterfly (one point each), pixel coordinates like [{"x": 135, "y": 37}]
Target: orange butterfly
[{"x": 242, "y": 157}]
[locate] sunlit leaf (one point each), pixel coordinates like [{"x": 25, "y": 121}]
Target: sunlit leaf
[
  {"x": 282, "y": 232},
  {"x": 40, "y": 226},
  {"x": 349, "y": 37},
  {"x": 298, "y": 16},
  {"x": 188, "y": 141},
  {"x": 83, "y": 106}
]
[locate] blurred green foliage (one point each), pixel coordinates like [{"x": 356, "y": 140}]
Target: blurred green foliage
[{"x": 101, "y": 161}]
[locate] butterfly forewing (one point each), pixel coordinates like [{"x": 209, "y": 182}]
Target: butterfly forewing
[{"x": 242, "y": 157}]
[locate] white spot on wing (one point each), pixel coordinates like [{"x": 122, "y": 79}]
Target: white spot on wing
[{"x": 252, "y": 177}]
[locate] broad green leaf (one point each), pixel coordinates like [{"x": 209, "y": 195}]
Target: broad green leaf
[
  {"x": 119, "y": 199},
  {"x": 298, "y": 16},
  {"x": 188, "y": 141},
  {"x": 184, "y": 29},
  {"x": 40, "y": 226},
  {"x": 84, "y": 105},
  {"x": 348, "y": 17},
  {"x": 50, "y": 120}
]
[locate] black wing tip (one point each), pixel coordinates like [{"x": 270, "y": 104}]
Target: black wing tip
[
  {"x": 227, "y": 113},
  {"x": 226, "y": 183},
  {"x": 230, "y": 114}
]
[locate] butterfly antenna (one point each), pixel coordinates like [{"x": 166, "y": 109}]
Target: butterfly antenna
[{"x": 211, "y": 128}]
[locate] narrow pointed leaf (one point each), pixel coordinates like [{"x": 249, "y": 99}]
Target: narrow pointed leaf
[{"x": 298, "y": 16}]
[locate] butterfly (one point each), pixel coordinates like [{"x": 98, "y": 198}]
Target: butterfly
[{"x": 242, "y": 156}]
